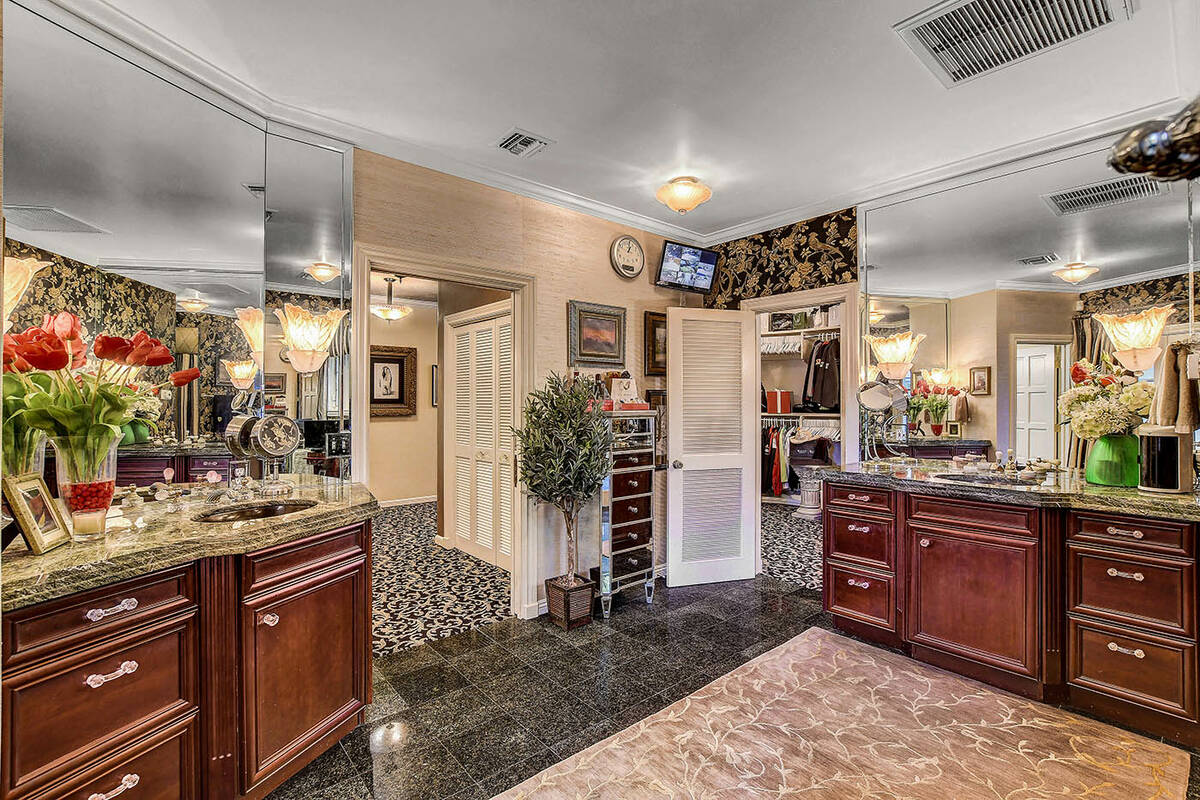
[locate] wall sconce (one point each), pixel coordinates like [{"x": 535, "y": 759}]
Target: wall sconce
[
  {"x": 250, "y": 321},
  {"x": 682, "y": 194},
  {"x": 308, "y": 335},
  {"x": 241, "y": 373},
  {"x": 894, "y": 354},
  {"x": 390, "y": 312},
  {"x": 322, "y": 272},
  {"x": 18, "y": 273},
  {"x": 1135, "y": 337}
]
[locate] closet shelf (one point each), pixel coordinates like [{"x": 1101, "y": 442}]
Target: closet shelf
[
  {"x": 802, "y": 414},
  {"x": 802, "y": 331}
]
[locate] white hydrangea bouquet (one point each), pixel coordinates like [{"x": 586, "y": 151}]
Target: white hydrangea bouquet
[{"x": 1104, "y": 401}]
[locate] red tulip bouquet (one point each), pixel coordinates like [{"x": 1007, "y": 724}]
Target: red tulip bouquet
[
  {"x": 50, "y": 392},
  {"x": 934, "y": 400}
]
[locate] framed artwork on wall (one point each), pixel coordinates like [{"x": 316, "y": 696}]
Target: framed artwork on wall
[
  {"x": 37, "y": 514},
  {"x": 654, "y": 332},
  {"x": 433, "y": 385},
  {"x": 980, "y": 382},
  {"x": 393, "y": 381},
  {"x": 596, "y": 335},
  {"x": 274, "y": 382}
]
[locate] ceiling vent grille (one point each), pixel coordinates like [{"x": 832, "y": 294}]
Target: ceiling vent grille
[
  {"x": 1039, "y": 260},
  {"x": 523, "y": 144},
  {"x": 46, "y": 219},
  {"x": 1107, "y": 193},
  {"x": 960, "y": 40}
]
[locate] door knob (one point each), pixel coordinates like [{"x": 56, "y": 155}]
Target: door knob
[{"x": 676, "y": 464}]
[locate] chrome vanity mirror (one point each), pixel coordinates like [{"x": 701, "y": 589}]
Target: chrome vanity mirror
[{"x": 882, "y": 396}]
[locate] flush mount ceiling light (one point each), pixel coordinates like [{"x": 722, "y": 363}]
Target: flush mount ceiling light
[
  {"x": 322, "y": 272},
  {"x": 1135, "y": 336},
  {"x": 308, "y": 335},
  {"x": 894, "y": 354},
  {"x": 1075, "y": 272},
  {"x": 390, "y": 311},
  {"x": 193, "y": 304},
  {"x": 682, "y": 194},
  {"x": 241, "y": 373},
  {"x": 250, "y": 322},
  {"x": 18, "y": 272}
]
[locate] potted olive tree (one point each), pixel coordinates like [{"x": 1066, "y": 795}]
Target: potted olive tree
[{"x": 564, "y": 447}]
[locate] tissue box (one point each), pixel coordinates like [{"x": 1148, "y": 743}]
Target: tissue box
[{"x": 779, "y": 402}]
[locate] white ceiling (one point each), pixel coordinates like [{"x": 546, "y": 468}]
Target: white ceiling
[
  {"x": 969, "y": 238},
  {"x": 786, "y": 108}
]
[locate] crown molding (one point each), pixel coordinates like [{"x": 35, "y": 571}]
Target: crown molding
[
  {"x": 305, "y": 288},
  {"x": 1149, "y": 275},
  {"x": 1029, "y": 286}
]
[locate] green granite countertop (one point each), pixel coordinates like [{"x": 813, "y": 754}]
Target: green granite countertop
[
  {"x": 170, "y": 539},
  {"x": 1068, "y": 491}
]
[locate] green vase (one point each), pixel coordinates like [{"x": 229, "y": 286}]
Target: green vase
[{"x": 1113, "y": 461}]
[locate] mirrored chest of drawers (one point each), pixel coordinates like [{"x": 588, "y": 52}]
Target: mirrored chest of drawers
[{"x": 627, "y": 510}]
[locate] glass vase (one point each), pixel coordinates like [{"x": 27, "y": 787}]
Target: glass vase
[
  {"x": 25, "y": 453},
  {"x": 1113, "y": 461},
  {"x": 87, "y": 478}
]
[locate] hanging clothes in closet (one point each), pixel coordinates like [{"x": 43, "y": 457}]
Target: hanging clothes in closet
[{"x": 823, "y": 376}]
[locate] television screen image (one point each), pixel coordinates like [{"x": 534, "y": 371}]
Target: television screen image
[{"x": 685, "y": 267}]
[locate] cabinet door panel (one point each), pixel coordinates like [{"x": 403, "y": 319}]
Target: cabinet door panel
[
  {"x": 975, "y": 595},
  {"x": 305, "y": 670}
]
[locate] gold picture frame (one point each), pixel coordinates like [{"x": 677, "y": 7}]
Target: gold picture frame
[
  {"x": 37, "y": 513},
  {"x": 979, "y": 382}
]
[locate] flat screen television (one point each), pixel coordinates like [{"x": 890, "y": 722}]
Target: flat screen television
[{"x": 691, "y": 269}]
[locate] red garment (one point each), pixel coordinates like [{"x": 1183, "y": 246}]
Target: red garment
[{"x": 776, "y": 484}]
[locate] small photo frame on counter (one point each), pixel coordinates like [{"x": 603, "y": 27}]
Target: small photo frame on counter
[
  {"x": 36, "y": 512},
  {"x": 953, "y": 430},
  {"x": 980, "y": 382}
]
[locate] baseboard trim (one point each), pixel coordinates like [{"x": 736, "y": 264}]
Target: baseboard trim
[
  {"x": 408, "y": 501},
  {"x": 536, "y": 610}
]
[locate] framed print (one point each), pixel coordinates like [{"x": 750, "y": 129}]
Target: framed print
[
  {"x": 274, "y": 382},
  {"x": 433, "y": 385},
  {"x": 980, "y": 382},
  {"x": 37, "y": 514},
  {"x": 393, "y": 381},
  {"x": 596, "y": 335},
  {"x": 654, "y": 332}
]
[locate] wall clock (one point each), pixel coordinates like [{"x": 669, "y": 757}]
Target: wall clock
[{"x": 627, "y": 257}]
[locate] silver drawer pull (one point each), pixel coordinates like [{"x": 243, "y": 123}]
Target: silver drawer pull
[
  {"x": 633, "y": 537},
  {"x": 859, "y": 528},
  {"x": 862, "y": 498},
  {"x": 96, "y": 680},
  {"x": 1133, "y": 534},
  {"x": 1113, "y": 572},
  {"x": 97, "y": 614},
  {"x": 631, "y": 509},
  {"x": 633, "y": 484},
  {"x": 270, "y": 620},
  {"x": 924, "y": 543},
  {"x": 1116, "y": 648},
  {"x": 127, "y": 782},
  {"x": 859, "y": 584}
]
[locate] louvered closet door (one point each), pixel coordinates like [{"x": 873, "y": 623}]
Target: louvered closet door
[{"x": 712, "y": 446}]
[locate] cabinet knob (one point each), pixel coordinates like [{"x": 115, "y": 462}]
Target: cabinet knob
[
  {"x": 127, "y": 782},
  {"x": 676, "y": 464},
  {"x": 270, "y": 620},
  {"x": 632, "y": 509},
  {"x": 95, "y": 680},
  {"x": 924, "y": 543},
  {"x": 1136, "y": 653},
  {"x": 97, "y": 614}
]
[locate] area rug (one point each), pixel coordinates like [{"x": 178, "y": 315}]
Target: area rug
[{"x": 824, "y": 716}]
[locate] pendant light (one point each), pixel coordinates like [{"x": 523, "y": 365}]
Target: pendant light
[
  {"x": 308, "y": 335},
  {"x": 682, "y": 194},
  {"x": 322, "y": 272},
  {"x": 1135, "y": 337},
  {"x": 250, "y": 321},
  {"x": 193, "y": 304},
  {"x": 1075, "y": 272},
  {"x": 390, "y": 311},
  {"x": 894, "y": 354},
  {"x": 18, "y": 272}
]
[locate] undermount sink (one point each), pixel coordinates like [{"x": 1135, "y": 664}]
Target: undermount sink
[{"x": 256, "y": 511}]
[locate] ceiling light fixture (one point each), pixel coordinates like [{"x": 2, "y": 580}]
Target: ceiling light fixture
[
  {"x": 193, "y": 304},
  {"x": 1075, "y": 272},
  {"x": 682, "y": 194},
  {"x": 308, "y": 335},
  {"x": 322, "y": 272},
  {"x": 390, "y": 311},
  {"x": 876, "y": 316}
]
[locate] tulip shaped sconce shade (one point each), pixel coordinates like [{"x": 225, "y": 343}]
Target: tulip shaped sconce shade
[
  {"x": 250, "y": 321},
  {"x": 682, "y": 194},
  {"x": 894, "y": 354},
  {"x": 241, "y": 373},
  {"x": 18, "y": 272},
  {"x": 939, "y": 377},
  {"x": 1135, "y": 337},
  {"x": 308, "y": 335}
]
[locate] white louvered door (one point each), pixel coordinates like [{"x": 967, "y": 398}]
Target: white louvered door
[
  {"x": 711, "y": 446},
  {"x": 479, "y": 482}
]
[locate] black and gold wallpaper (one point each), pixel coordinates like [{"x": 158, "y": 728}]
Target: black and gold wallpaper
[
  {"x": 219, "y": 337},
  {"x": 1171, "y": 290},
  {"x": 822, "y": 251},
  {"x": 318, "y": 304}
]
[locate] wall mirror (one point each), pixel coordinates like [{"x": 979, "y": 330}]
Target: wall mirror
[{"x": 1002, "y": 273}]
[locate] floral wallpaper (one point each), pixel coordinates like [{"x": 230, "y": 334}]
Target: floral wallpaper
[
  {"x": 1139, "y": 295},
  {"x": 219, "y": 338},
  {"x": 316, "y": 303},
  {"x": 821, "y": 251}
]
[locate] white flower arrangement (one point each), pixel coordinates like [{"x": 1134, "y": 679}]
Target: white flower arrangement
[{"x": 1102, "y": 404}]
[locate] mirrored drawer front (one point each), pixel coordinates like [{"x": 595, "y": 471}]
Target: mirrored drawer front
[
  {"x": 630, "y": 510},
  {"x": 631, "y": 562},
  {"x": 627, "y": 460},
  {"x": 1133, "y": 532},
  {"x": 861, "y": 539},
  {"x": 625, "y": 484},
  {"x": 635, "y": 535},
  {"x": 864, "y": 497},
  {"x": 863, "y": 596},
  {"x": 1142, "y": 591},
  {"x": 1149, "y": 670}
]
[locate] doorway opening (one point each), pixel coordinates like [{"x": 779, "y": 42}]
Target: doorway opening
[
  {"x": 1040, "y": 372},
  {"x": 440, "y": 386}
]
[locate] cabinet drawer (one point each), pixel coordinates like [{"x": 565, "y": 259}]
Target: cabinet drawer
[
  {"x": 981, "y": 516},
  {"x": 627, "y": 460},
  {"x": 631, "y": 562},
  {"x": 630, "y": 510},
  {"x": 1142, "y": 590},
  {"x": 861, "y": 539},
  {"x": 1144, "y": 669},
  {"x": 58, "y": 625},
  {"x": 863, "y": 596},
  {"x": 625, "y": 484},
  {"x": 163, "y": 768},
  {"x": 862, "y": 497},
  {"x": 207, "y": 462},
  {"x": 634, "y": 535},
  {"x": 66, "y": 712},
  {"x": 279, "y": 564},
  {"x": 1134, "y": 532},
  {"x": 142, "y": 471},
  {"x": 933, "y": 451}
]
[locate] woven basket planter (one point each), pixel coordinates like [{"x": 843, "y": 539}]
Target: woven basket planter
[{"x": 569, "y": 607}]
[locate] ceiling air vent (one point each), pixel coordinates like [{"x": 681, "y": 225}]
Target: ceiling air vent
[
  {"x": 960, "y": 40},
  {"x": 47, "y": 219},
  {"x": 1038, "y": 260},
  {"x": 1107, "y": 193},
  {"x": 523, "y": 144}
]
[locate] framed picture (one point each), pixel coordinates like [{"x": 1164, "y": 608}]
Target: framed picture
[
  {"x": 433, "y": 385},
  {"x": 654, "y": 332},
  {"x": 596, "y": 335},
  {"x": 38, "y": 516},
  {"x": 274, "y": 382},
  {"x": 393, "y": 381},
  {"x": 223, "y": 378},
  {"x": 980, "y": 382}
]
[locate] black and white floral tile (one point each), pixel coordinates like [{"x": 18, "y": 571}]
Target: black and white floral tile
[{"x": 791, "y": 546}]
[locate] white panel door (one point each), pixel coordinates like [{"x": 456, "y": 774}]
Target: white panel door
[
  {"x": 711, "y": 446},
  {"x": 1034, "y": 413}
]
